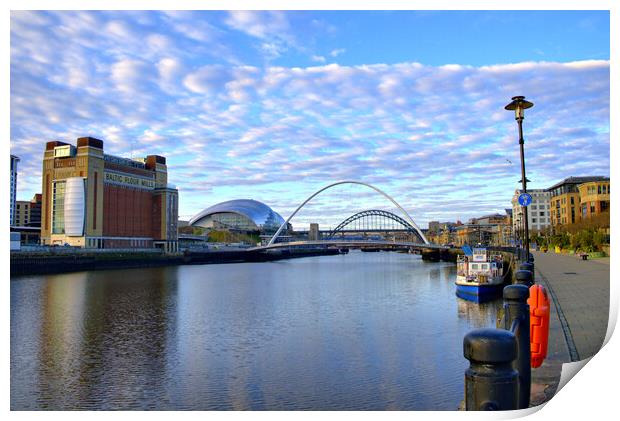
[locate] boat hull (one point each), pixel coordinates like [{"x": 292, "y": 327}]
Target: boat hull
[{"x": 479, "y": 292}]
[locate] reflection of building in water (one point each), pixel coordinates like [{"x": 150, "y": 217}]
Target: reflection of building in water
[
  {"x": 106, "y": 337},
  {"x": 63, "y": 311},
  {"x": 130, "y": 332},
  {"x": 479, "y": 314}
]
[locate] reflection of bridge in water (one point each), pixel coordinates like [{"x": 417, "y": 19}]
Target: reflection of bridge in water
[{"x": 366, "y": 222}]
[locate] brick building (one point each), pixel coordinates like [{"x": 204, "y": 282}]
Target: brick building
[{"x": 94, "y": 200}]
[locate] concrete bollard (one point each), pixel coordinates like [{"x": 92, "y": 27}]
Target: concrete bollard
[
  {"x": 491, "y": 382},
  {"x": 517, "y": 320},
  {"x": 528, "y": 266},
  {"x": 524, "y": 277}
]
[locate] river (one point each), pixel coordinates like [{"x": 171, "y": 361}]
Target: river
[{"x": 363, "y": 331}]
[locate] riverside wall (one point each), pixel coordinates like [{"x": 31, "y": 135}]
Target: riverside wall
[{"x": 34, "y": 263}]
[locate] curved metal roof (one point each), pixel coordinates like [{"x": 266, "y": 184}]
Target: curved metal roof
[{"x": 262, "y": 215}]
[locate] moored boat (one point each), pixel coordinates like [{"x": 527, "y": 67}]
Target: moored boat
[{"x": 479, "y": 275}]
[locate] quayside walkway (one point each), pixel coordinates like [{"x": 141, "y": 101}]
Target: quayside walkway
[{"x": 579, "y": 290}]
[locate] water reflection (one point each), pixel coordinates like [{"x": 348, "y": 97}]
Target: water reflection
[
  {"x": 101, "y": 341},
  {"x": 362, "y": 331},
  {"x": 479, "y": 315},
  {"x": 60, "y": 337}
]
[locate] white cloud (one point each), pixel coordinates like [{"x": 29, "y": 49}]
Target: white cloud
[
  {"x": 128, "y": 74},
  {"x": 158, "y": 43},
  {"x": 208, "y": 79},
  {"x": 259, "y": 24}
]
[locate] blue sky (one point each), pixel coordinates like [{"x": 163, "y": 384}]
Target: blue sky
[{"x": 275, "y": 105}]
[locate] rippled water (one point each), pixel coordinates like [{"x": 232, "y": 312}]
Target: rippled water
[{"x": 359, "y": 331}]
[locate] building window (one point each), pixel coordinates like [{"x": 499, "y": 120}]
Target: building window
[
  {"x": 604, "y": 206},
  {"x": 572, "y": 200},
  {"x": 592, "y": 208},
  {"x": 534, "y": 220},
  {"x": 584, "y": 210},
  {"x": 541, "y": 213},
  {"x": 58, "y": 208}
]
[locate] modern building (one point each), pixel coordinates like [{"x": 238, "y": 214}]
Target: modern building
[
  {"x": 243, "y": 215},
  {"x": 566, "y": 203},
  {"x": 95, "y": 200},
  {"x": 28, "y": 235},
  {"x": 28, "y": 213},
  {"x": 594, "y": 197},
  {"x": 538, "y": 212},
  {"x": 21, "y": 213},
  {"x": 14, "y": 161}
]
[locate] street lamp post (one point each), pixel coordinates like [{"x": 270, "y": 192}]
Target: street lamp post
[{"x": 519, "y": 105}]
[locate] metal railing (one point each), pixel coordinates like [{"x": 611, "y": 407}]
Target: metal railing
[{"x": 499, "y": 375}]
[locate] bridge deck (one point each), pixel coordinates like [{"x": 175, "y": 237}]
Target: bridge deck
[{"x": 351, "y": 243}]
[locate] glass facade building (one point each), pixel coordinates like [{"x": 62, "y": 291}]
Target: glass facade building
[
  {"x": 14, "y": 161},
  {"x": 241, "y": 215},
  {"x": 58, "y": 207}
]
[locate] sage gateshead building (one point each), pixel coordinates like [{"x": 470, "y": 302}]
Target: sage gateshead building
[
  {"x": 244, "y": 215},
  {"x": 95, "y": 200}
]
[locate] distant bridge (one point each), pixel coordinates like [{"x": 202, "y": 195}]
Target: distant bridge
[
  {"x": 407, "y": 222},
  {"x": 375, "y": 221},
  {"x": 351, "y": 244}
]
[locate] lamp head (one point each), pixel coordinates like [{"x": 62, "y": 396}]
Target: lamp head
[{"x": 519, "y": 105}]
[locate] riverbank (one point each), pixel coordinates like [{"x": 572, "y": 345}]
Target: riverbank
[{"x": 61, "y": 261}]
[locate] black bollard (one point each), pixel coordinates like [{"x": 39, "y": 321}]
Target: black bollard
[
  {"x": 528, "y": 266},
  {"x": 491, "y": 382},
  {"x": 524, "y": 277},
  {"x": 517, "y": 315}
]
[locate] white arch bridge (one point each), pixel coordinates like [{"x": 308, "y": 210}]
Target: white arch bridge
[{"x": 406, "y": 222}]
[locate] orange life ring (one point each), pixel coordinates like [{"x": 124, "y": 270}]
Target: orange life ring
[{"x": 539, "y": 324}]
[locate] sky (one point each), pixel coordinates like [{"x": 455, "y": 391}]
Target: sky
[{"x": 274, "y": 105}]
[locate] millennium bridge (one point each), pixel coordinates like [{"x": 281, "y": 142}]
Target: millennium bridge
[{"x": 405, "y": 232}]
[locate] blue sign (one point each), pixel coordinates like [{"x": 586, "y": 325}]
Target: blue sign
[{"x": 525, "y": 199}]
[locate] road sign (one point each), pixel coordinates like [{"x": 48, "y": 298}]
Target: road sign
[{"x": 525, "y": 199}]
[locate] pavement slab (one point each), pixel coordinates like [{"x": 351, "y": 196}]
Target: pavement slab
[{"x": 579, "y": 290}]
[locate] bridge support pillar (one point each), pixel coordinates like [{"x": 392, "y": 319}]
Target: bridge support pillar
[{"x": 431, "y": 255}]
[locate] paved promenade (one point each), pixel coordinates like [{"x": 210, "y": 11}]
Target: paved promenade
[{"x": 579, "y": 290}]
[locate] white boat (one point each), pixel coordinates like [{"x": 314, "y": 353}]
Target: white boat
[{"x": 479, "y": 276}]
